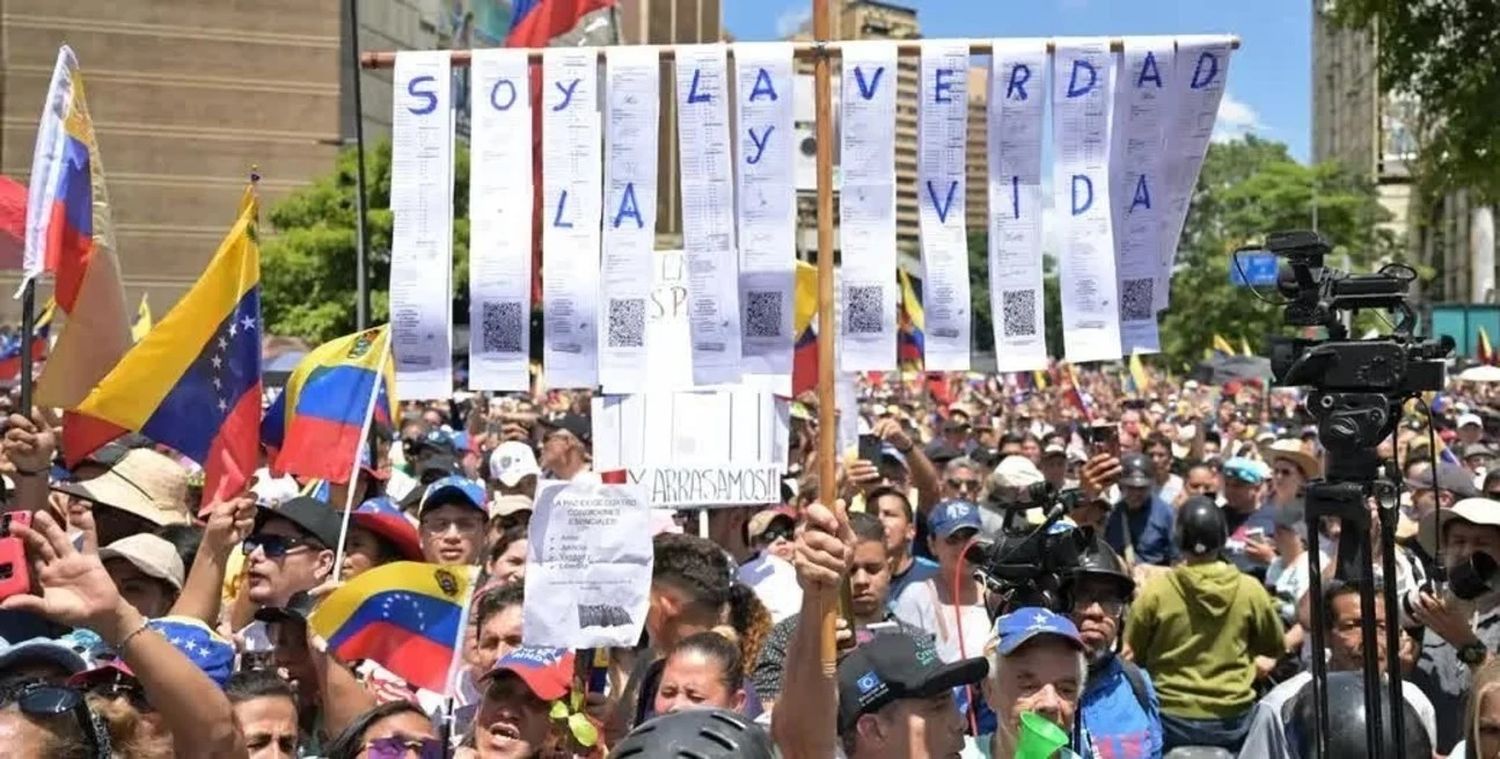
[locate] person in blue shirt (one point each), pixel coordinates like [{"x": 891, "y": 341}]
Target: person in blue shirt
[
  {"x": 895, "y": 512},
  {"x": 1252, "y": 522},
  {"x": 1120, "y": 707},
  {"x": 1140, "y": 524}
]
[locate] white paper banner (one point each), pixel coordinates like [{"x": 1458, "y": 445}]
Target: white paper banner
[
  {"x": 500, "y": 222},
  {"x": 1201, "y": 70},
  {"x": 1081, "y": 101},
  {"x": 764, "y": 142},
  {"x": 1018, "y": 91},
  {"x": 588, "y": 565},
  {"x": 571, "y": 188},
  {"x": 942, "y": 132},
  {"x": 422, "y": 234},
  {"x": 708, "y": 212},
  {"x": 631, "y": 89},
  {"x": 867, "y": 207},
  {"x": 1142, "y": 72}
]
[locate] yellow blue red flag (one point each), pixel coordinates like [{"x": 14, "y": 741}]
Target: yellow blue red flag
[
  {"x": 911, "y": 340},
  {"x": 193, "y": 383},
  {"x": 314, "y": 428}
]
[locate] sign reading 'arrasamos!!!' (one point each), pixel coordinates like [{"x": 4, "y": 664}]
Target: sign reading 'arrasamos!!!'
[{"x": 707, "y": 486}]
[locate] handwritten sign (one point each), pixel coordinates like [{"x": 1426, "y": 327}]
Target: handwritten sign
[
  {"x": 588, "y": 573},
  {"x": 698, "y": 487}
]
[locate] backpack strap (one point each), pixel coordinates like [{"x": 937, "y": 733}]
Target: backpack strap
[{"x": 1137, "y": 685}]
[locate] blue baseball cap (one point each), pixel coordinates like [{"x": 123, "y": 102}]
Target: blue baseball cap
[
  {"x": 1018, "y": 627},
  {"x": 454, "y": 489},
  {"x": 1245, "y": 470},
  {"x": 953, "y": 515}
]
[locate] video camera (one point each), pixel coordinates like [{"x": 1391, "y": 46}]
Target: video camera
[
  {"x": 1357, "y": 388},
  {"x": 1026, "y": 565}
]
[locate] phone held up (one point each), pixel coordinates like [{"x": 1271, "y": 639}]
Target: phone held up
[
  {"x": 15, "y": 571},
  {"x": 1103, "y": 437}
]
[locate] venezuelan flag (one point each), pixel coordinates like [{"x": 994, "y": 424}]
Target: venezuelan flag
[
  {"x": 805, "y": 313},
  {"x": 316, "y": 426},
  {"x": 1486, "y": 352},
  {"x": 193, "y": 383},
  {"x": 1138, "y": 375},
  {"x": 406, "y": 616},
  {"x": 911, "y": 325},
  {"x": 1222, "y": 346},
  {"x": 11, "y": 354}
]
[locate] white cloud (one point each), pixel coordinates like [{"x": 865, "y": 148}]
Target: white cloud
[
  {"x": 792, "y": 19},
  {"x": 1236, "y": 119}
]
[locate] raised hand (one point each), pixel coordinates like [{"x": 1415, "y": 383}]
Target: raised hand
[
  {"x": 76, "y": 591},
  {"x": 29, "y": 443}
]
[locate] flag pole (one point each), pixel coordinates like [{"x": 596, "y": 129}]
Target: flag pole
[
  {"x": 28, "y": 326},
  {"x": 364, "y": 433},
  {"x": 361, "y": 273},
  {"x": 827, "y": 416}
]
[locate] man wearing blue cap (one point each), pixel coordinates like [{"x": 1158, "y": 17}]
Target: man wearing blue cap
[
  {"x": 1037, "y": 664},
  {"x": 451, "y": 522},
  {"x": 959, "y": 624},
  {"x": 1252, "y": 525}
]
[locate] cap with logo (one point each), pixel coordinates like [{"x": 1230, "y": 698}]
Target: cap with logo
[
  {"x": 511, "y": 461},
  {"x": 548, "y": 672},
  {"x": 953, "y": 515},
  {"x": 382, "y": 516},
  {"x": 1025, "y": 624},
  {"x": 153, "y": 556},
  {"x": 576, "y": 424},
  {"x": 142, "y": 482},
  {"x": 891, "y": 667},
  {"x": 1136, "y": 470},
  {"x": 454, "y": 489},
  {"x": 310, "y": 515}
]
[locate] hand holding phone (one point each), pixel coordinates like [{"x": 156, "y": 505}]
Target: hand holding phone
[
  {"x": 1104, "y": 437},
  {"x": 15, "y": 570}
]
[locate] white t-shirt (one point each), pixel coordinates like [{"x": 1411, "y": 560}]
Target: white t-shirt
[
  {"x": 918, "y": 606},
  {"x": 774, "y": 581}
]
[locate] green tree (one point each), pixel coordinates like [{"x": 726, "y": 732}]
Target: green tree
[
  {"x": 307, "y": 271},
  {"x": 1442, "y": 53},
  {"x": 1247, "y": 189}
]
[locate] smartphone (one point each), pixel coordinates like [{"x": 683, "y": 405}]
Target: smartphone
[
  {"x": 15, "y": 570},
  {"x": 1255, "y": 534},
  {"x": 1104, "y": 437},
  {"x": 867, "y": 633},
  {"x": 869, "y": 448}
]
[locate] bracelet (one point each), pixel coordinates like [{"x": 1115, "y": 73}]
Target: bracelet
[{"x": 145, "y": 625}]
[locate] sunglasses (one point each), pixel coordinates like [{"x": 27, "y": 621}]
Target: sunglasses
[
  {"x": 45, "y": 700},
  {"x": 961, "y": 484},
  {"x": 773, "y": 534},
  {"x": 273, "y": 546},
  {"x": 396, "y": 747}
]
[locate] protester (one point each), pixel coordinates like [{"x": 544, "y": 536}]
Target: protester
[
  {"x": 265, "y": 712},
  {"x": 895, "y": 512},
  {"x": 378, "y": 534},
  {"x": 1140, "y": 526},
  {"x": 147, "y": 570},
  {"x": 451, "y": 521},
  {"x": 1481, "y": 715},
  {"x": 394, "y": 728},
  {"x": 1291, "y": 468},
  {"x": 563, "y": 453},
  {"x": 950, "y": 605},
  {"x": 1037, "y": 663},
  {"x": 290, "y": 550},
  {"x": 514, "y": 717},
  {"x": 702, "y": 670},
  {"x": 1165, "y": 485},
  {"x": 507, "y": 557},
  {"x": 1198, "y": 631},
  {"x": 1250, "y": 521}
]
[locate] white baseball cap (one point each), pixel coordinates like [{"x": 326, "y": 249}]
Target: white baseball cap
[
  {"x": 511, "y": 461},
  {"x": 1465, "y": 420},
  {"x": 150, "y": 554}
]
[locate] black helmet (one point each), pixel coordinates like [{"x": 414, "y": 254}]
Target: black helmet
[
  {"x": 1201, "y": 529},
  {"x": 1346, "y": 720},
  {"x": 696, "y": 734},
  {"x": 1099, "y": 560}
]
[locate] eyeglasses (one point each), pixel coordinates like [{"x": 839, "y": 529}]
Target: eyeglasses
[
  {"x": 274, "y": 546},
  {"x": 44, "y": 700},
  {"x": 397, "y": 746},
  {"x": 958, "y": 483},
  {"x": 773, "y": 534}
]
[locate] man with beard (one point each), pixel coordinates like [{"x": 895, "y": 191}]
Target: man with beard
[{"x": 1120, "y": 706}]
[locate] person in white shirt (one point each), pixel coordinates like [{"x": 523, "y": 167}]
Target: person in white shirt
[{"x": 959, "y": 624}]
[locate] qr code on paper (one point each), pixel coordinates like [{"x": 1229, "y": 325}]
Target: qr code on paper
[
  {"x": 1135, "y": 299},
  {"x": 627, "y": 323},
  {"x": 763, "y": 313},
  {"x": 863, "y": 311},
  {"x": 1019, "y": 308},
  {"x": 502, "y": 327}
]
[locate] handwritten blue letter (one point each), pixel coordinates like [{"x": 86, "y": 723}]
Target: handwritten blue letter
[
  {"x": 694, "y": 96},
  {"x": 1020, "y": 74},
  {"x": 763, "y": 86},
  {"x": 567, "y": 93},
  {"x": 494, "y": 91},
  {"x": 1073, "y": 89},
  {"x": 759, "y": 141},
  {"x": 942, "y": 208},
  {"x": 1142, "y": 194},
  {"x": 867, "y": 90},
  {"x": 428, "y": 95},
  {"x": 1088, "y": 188},
  {"x": 942, "y": 88},
  {"x": 628, "y": 207},
  {"x": 557, "y": 219},
  {"x": 1149, "y": 72},
  {"x": 1207, "y": 78}
]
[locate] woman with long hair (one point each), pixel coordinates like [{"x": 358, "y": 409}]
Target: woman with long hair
[{"x": 1482, "y": 716}]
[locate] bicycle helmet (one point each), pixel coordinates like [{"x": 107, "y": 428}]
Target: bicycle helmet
[{"x": 696, "y": 734}]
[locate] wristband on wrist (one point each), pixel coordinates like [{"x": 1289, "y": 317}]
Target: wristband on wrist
[{"x": 144, "y": 626}]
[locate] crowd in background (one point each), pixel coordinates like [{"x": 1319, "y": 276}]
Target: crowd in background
[{"x": 152, "y": 628}]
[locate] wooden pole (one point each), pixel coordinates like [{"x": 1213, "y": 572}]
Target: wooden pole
[
  {"x": 804, "y": 50},
  {"x": 827, "y": 413}
]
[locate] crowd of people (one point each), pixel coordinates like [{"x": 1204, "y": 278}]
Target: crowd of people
[{"x": 1169, "y": 607}]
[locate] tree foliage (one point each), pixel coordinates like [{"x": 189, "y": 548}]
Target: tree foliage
[
  {"x": 1247, "y": 189},
  {"x": 308, "y": 268},
  {"x": 1442, "y": 53}
]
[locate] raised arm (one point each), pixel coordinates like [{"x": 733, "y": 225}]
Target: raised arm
[
  {"x": 803, "y": 720},
  {"x": 228, "y": 524}
]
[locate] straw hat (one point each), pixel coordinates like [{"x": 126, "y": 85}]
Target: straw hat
[
  {"x": 1291, "y": 450},
  {"x": 143, "y": 483}
]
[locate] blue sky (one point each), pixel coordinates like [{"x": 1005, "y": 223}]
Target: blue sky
[{"x": 1270, "y": 76}]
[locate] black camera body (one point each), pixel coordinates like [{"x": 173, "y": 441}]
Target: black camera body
[{"x": 1030, "y": 566}]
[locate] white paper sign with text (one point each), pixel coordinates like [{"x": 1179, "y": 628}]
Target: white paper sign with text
[
  {"x": 588, "y": 565},
  {"x": 571, "y": 187},
  {"x": 942, "y": 139}
]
